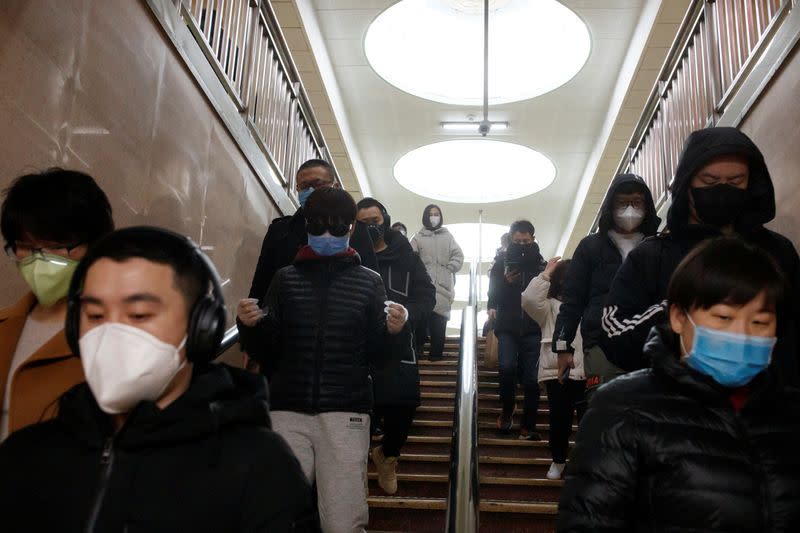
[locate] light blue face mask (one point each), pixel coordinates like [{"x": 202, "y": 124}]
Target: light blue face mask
[
  {"x": 327, "y": 244},
  {"x": 303, "y": 195},
  {"x": 730, "y": 359}
]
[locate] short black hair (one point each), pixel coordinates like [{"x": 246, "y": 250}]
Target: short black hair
[
  {"x": 330, "y": 204},
  {"x": 522, "y": 226},
  {"x": 558, "y": 277},
  {"x": 191, "y": 276},
  {"x": 399, "y": 225},
  {"x": 366, "y": 203},
  {"x": 63, "y": 206},
  {"x": 314, "y": 163},
  {"x": 726, "y": 270}
]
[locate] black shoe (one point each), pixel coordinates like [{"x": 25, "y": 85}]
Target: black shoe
[{"x": 524, "y": 434}]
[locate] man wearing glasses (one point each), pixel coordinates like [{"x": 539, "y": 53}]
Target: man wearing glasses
[
  {"x": 325, "y": 321},
  {"x": 48, "y": 221}
]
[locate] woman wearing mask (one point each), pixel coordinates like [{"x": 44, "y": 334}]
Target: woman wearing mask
[
  {"x": 442, "y": 257},
  {"x": 48, "y": 222},
  {"x": 565, "y": 386},
  {"x": 705, "y": 439}
]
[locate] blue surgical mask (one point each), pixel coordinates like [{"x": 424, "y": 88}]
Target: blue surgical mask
[
  {"x": 730, "y": 359},
  {"x": 303, "y": 195},
  {"x": 327, "y": 244}
]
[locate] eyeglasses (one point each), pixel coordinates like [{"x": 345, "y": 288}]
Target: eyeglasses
[
  {"x": 21, "y": 250},
  {"x": 315, "y": 227}
]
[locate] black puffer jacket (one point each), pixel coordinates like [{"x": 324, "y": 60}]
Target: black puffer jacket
[
  {"x": 594, "y": 264},
  {"x": 663, "y": 450},
  {"x": 208, "y": 462},
  {"x": 635, "y": 302},
  {"x": 407, "y": 282},
  {"x": 506, "y": 297},
  {"x": 326, "y": 326}
]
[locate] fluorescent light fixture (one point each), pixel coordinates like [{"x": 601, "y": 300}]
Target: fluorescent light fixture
[
  {"x": 434, "y": 49},
  {"x": 466, "y": 235},
  {"x": 474, "y": 171},
  {"x": 473, "y": 127}
]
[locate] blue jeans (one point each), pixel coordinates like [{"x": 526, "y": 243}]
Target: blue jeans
[{"x": 519, "y": 360}]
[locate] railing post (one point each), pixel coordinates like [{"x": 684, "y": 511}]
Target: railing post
[
  {"x": 249, "y": 53},
  {"x": 713, "y": 59}
]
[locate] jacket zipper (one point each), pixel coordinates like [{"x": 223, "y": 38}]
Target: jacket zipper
[
  {"x": 106, "y": 464},
  {"x": 765, "y": 513},
  {"x": 323, "y": 313}
]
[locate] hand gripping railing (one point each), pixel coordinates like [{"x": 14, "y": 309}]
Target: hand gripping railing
[{"x": 463, "y": 499}]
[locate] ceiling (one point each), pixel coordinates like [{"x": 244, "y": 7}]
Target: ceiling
[{"x": 583, "y": 126}]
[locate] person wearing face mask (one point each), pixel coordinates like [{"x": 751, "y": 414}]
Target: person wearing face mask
[
  {"x": 706, "y": 438},
  {"x": 286, "y": 235},
  {"x": 328, "y": 323},
  {"x": 627, "y": 216},
  {"x": 518, "y": 335},
  {"x": 155, "y": 423},
  {"x": 48, "y": 220},
  {"x": 721, "y": 187},
  {"x": 396, "y": 389},
  {"x": 442, "y": 257}
]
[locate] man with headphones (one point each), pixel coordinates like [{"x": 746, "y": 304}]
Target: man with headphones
[{"x": 157, "y": 439}]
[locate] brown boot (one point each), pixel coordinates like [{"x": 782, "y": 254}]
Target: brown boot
[{"x": 387, "y": 477}]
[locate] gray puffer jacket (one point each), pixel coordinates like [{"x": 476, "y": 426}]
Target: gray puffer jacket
[{"x": 442, "y": 257}]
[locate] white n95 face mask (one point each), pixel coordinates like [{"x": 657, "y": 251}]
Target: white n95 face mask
[
  {"x": 125, "y": 365},
  {"x": 629, "y": 218}
]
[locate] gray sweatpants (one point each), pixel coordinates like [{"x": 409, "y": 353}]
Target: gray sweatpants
[{"x": 332, "y": 449}]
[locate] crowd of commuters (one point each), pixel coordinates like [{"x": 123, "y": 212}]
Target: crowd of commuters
[{"x": 674, "y": 348}]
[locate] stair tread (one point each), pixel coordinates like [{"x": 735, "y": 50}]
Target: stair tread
[
  {"x": 481, "y": 425},
  {"x": 489, "y": 506},
  {"x": 489, "y": 459},
  {"x": 485, "y": 480},
  {"x": 393, "y": 502}
]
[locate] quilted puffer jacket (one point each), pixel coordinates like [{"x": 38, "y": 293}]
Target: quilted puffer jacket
[
  {"x": 324, "y": 326},
  {"x": 665, "y": 450}
]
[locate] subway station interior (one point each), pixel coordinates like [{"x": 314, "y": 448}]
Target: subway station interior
[{"x": 196, "y": 116}]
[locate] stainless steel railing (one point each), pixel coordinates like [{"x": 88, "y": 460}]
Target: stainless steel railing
[
  {"x": 230, "y": 338},
  {"x": 243, "y": 42},
  {"x": 718, "y": 44},
  {"x": 463, "y": 498}
]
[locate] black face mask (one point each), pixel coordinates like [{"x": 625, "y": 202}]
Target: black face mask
[
  {"x": 719, "y": 205},
  {"x": 376, "y": 232}
]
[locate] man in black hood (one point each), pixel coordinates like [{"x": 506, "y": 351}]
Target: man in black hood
[
  {"x": 628, "y": 216},
  {"x": 157, "y": 439},
  {"x": 287, "y": 235},
  {"x": 721, "y": 187},
  {"x": 396, "y": 388}
]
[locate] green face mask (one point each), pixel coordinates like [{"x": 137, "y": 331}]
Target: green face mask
[{"x": 48, "y": 276}]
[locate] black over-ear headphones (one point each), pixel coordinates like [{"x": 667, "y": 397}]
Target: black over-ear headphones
[{"x": 206, "y": 318}]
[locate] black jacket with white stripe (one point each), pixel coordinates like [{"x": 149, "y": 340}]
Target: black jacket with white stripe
[{"x": 636, "y": 300}]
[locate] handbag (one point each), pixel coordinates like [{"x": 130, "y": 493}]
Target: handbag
[{"x": 490, "y": 350}]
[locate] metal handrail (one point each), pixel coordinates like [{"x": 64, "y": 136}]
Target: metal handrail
[
  {"x": 230, "y": 338},
  {"x": 463, "y": 499}
]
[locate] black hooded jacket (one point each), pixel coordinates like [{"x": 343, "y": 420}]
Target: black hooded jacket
[
  {"x": 664, "y": 450},
  {"x": 594, "y": 264},
  {"x": 635, "y": 302},
  {"x": 407, "y": 282},
  {"x": 506, "y": 297},
  {"x": 208, "y": 462}
]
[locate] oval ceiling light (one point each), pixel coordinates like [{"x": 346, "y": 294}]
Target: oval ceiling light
[
  {"x": 474, "y": 171},
  {"x": 434, "y": 49}
]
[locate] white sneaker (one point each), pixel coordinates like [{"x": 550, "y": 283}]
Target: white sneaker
[{"x": 556, "y": 470}]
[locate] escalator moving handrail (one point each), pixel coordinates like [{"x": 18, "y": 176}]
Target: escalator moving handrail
[
  {"x": 230, "y": 338},
  {"x": 463, "y": 498}
]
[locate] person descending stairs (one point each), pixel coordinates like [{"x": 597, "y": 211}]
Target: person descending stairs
[{"x": 515, "y": 493}]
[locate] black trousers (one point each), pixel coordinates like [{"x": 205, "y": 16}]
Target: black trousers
[
  {"x": 397, "y": 421},
  {"x": 565, "y": 399},
  {"x": 434, "y": 327}
]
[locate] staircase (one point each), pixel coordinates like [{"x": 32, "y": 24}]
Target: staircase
[{"x": 515, "y": 494}]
